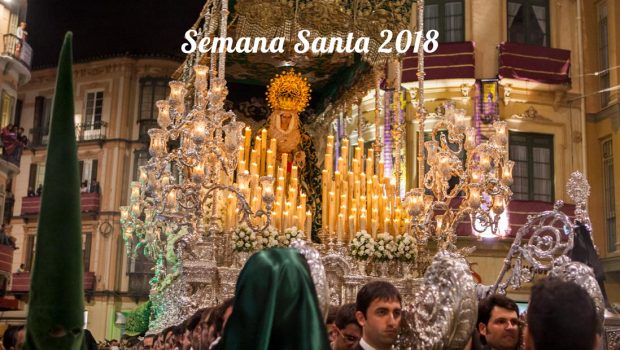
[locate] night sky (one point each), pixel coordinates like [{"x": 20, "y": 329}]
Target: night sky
[{"x": 109, "y": 28}]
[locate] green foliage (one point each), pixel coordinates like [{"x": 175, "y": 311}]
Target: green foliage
[{"x": 138, "y": 320}]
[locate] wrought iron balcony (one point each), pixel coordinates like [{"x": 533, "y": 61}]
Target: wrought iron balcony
[
  {"x": 83, "y": 132},
  {"x": 39, "y": 137},
  {"x": 18, "y": 49},
  {"x": 91, "y": 131}
]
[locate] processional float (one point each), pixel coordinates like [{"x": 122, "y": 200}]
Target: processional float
[{"x": 212, "y": 193}]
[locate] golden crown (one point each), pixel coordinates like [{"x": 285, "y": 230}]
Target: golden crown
[{"x": 288, "y": 91}]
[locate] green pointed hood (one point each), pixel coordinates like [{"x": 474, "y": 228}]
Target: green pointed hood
[{"x": 56, "y": 307}]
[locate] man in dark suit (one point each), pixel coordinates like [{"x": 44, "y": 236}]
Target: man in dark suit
[{"x": 378, "y": 308}]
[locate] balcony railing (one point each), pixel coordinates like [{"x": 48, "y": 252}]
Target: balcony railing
[
  {"x": 83, "y": 132},
  {"x": 21, "y": 282},
  {"x": 18, "y": 49},
  {"x": 91, "y": 131},
  {"x": 89, "y": 203},
  {"x": 39, "y": 136}
]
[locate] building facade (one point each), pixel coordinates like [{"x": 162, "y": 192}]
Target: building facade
[
  {"x": 114, "y": 108},
  {"x": 15, "y": 60},
  {"x": 529, "y": 63},
  {"x": 602, "y": 107}
]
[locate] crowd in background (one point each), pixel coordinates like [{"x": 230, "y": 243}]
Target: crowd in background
[
  {"x": 13, "y": 142},
  {"x": 276, "y": 307}
]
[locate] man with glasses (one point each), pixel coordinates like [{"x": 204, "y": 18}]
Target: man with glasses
[
  {"x": 348, "y": 330},
  {"x": 498, "y": 323}
]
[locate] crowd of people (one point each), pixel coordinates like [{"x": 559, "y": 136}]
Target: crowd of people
[
  {"x": 93, "y": 187},
  {"x": 85, "y": 187},
  {"x": 13, "y": 142},
  {"x": 276, "y": 307}
]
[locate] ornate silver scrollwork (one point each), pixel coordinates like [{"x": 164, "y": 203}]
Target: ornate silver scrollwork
[
  {"x": 445, "y": 309},
  {"x": 551, "y": 238},
  {"x": 317, "y": 271}
]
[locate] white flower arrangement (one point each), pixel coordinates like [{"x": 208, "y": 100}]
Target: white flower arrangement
[
  {"x": 385, "y": 247},
  {"x": 406, "y": 246},
  {"x": 291, "y": 234},
  {"x": 362, "y": 245},
  {"x": 270, "y": 238},
  {"x": 244, "y": 239}
]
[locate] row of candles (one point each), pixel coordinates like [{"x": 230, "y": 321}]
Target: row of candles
[
  {"x": 355, "y": 197},
  {"x": 257, "y": 168}
]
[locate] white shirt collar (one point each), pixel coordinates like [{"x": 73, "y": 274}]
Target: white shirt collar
[{"x": 365, "y": 345}]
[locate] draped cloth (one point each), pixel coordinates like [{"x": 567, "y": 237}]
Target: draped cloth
[
  {"x": 585, "y": 252},
  {"x": 276, "y": 305},
  {"x": 297, "y": 142}
]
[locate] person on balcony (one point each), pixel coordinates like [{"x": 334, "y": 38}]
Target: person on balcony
[
  {"x": 21, "y": 32},
  {"x": 21, "y": 137},
  {"x": 21, "y": 268},
  {"x": 21, "y": 35},
  {"x": 11, "y": 143},
  {"x": 6, "y": 238},
  {"x": 40, "y": 190},
  {"x": 94, "y": 187}
]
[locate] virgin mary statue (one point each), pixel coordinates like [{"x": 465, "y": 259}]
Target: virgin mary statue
[{"x": 288, "y": 95}]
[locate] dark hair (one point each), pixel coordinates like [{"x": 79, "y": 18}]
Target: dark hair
[
  {"x": 216, "y": 318},
  {"x": 192, "y": 322},
  {"x": 165, "y": 332},
  {"x": 132, "y": 341},
  {"x": 561, "y": 315},
  {"x": 486, "y": 307},
  {"x": 331, "y": 314},
  {"x": 178, "y": 330},
  {"x": 375, "y": 290},
  {"x": 204, "y": 316},
  {"x": 346, "y": 316},
  {"x": 9, "y": 339}
]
